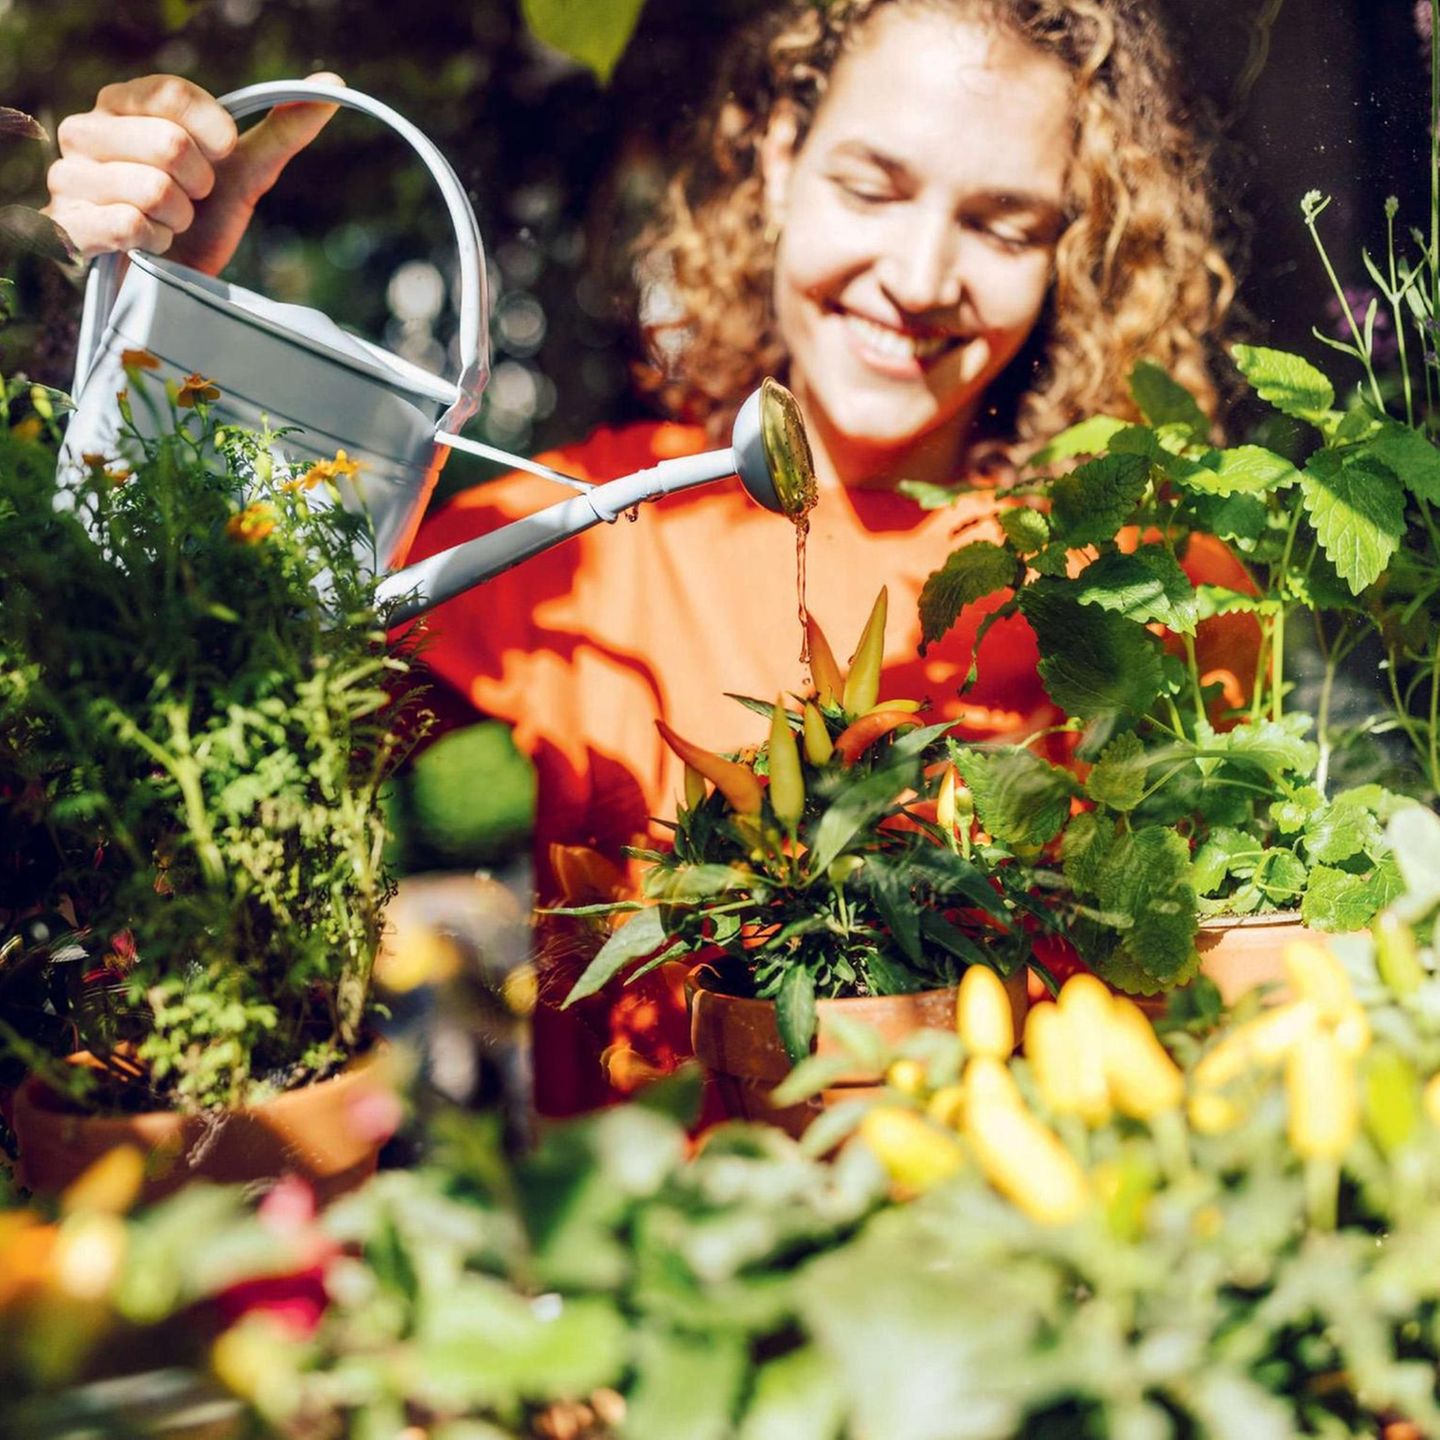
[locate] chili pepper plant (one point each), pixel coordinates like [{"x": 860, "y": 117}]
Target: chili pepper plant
[
  {"x": 198, "y": 709},
  {"x": 1193, "y": 801},
  {"x": 835, "y": 860}
]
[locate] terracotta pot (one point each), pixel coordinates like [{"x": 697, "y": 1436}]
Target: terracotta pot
[
  {"x": 1242, "y": 952},
  {"x": 738, "y": 1043},
  {"x": 329, "y": 1133}
]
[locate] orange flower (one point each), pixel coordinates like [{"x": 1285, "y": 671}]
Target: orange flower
[
  {"x": 138, "y": 360},
  {"x": 252, "y": 524},
  {"x": 342, "y": 467},
  {"x": 194, "y": 390},
  {"x": 27, "y": 429},
  {"x": 98, "y": 467}
]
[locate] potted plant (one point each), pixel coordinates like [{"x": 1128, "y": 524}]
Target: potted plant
[
  {"x": 1203, "y": 796},
  {"x": 198, "y": 710},
  {"x": 828, "y": 876}
]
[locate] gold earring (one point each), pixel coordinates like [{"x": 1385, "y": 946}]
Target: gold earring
[{"x": 771, "y": 233}]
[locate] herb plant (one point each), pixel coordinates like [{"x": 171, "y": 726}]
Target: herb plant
[
  {"x": 198, "y": 709},
  {"x": 1194, "y": 803}
]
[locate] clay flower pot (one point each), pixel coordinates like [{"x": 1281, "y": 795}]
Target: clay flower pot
[
  {"x": 737, "y": 1041},
  {"x": 329, "y": 1133},
  {"x": 1242, "y": 952}
]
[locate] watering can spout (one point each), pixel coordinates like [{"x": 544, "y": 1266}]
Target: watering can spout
[{"x": 769, "y": 451}]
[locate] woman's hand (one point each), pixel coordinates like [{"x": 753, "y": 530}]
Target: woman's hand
[{"x": 158, "y": 165}]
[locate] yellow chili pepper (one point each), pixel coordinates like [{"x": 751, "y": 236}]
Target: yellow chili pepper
[
  {"x": 111, "y": 1184},
  {"x": 1026, "y": 1162},
  {"x": 908, "y": 706},
  {"x": 1212, "y": 1113},
  {"x": 947, "y": 1106},
  {"x": 1396, "y": 956},
  {"x": 737, "y": 783},
  {"x": 1324, "y": 1105},
  {"x": 1430, "y": 1098},
  {"x": 694, "y": 788},
  {"x": 824, "y": 671},
  {"x": 1144, "y": 1080},
  {"x": 1315, "y": 974},
  {"x": 983, "y": 1015},
  {"x": 916, "y": 1154},
  {"x": 989, "y": 1083},
  {"x": 1086, "y": 1004},
  {"x": 1261, "y": 1042},
  {"x": 906, "y": 1076},
  {"x": 1392, "y": 1099},
  {"x": 818, "y": 745},
  {"x": 945, "y": 807},
  {"x": 1053, "y": 1050},
  {"x": 862, "y": 684},
  {"x": 1352, "y": 1032},
  {"x": 787, "y": 783}
]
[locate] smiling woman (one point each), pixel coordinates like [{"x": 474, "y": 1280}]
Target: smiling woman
[{"x": 952, "y": 226}]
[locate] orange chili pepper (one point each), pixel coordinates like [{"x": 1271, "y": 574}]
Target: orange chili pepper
[
  {"x": 824, "y": 671},
  {"x": 861, "y": 734},
  {"x": 737, "y": 783}
]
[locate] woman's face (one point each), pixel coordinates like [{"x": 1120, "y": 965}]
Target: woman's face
[{"x": 918, "y": 226}]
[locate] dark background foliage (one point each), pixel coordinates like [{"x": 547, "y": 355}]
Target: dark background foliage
[{"x": 1329, "y": 94}]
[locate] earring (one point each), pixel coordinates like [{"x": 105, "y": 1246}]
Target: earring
[{"x": 771, "y": 233}]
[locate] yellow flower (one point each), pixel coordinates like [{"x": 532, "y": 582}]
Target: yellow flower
[
  {"x": 342, "y": 467},
  {"x": 138, "y": 360},
  {"x": 252, "y": 524},
  {"x": 98, "y": 467},
  {"x": 194, "y": 390},
  {"x": 27, "y": 429}
]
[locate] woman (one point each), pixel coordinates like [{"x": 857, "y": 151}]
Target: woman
[{"x": 951, "y": 226}]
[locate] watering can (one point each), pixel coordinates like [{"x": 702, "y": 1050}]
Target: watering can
[{"x": 286, "y": 365}]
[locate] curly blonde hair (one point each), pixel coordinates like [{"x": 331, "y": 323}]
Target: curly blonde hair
[{"x": 1138, "y": 272}]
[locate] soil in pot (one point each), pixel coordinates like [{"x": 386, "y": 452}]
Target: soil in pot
[
  {"x": 329, "y": 1133},
  {"x": 738, "y": 1043}
]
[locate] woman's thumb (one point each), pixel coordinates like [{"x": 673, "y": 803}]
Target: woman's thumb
[{"x": 265, "y": 149}]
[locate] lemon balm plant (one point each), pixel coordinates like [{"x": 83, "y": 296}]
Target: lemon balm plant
[
  {"x": 1193, "y": 801},
  {"x": 198, "y": 708},
  {"x": 837, "y": 861}
]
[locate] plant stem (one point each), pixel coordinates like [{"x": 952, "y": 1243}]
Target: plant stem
[{"x": 1361, "y": 348}]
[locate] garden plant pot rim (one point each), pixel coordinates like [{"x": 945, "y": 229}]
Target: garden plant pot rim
[
  {"x": 1268, "y": 919},
  {"x": 39, "y": 1096}
]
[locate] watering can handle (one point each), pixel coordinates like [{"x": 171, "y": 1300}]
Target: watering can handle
[{"x": 474, "y": 336}]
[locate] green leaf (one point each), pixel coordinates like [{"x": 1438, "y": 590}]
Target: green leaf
[
  {"x": 930, "y": 496},
  {"x": 1337, "y": 901},
  {"x": 1230, "y": 517},
  {"x": 795, "y": 1013},
  {"x": 970, "y": 573},
  {"x": 1358, "y": 510},
  {"x": 1026, "y": 529},
  {"x": 1020, "y": 798},
  {"x": 594, "y": 32},
  {"x": 863, "y": 801},
  {"x": 1145, "y": 586},
  {"x": 1226, "y": 852},
  {"x": 1411, "y": 455},
  {"x": 1089, "y": 437},
  {"x": 1090, "y": 504},
  {"x": 641, "y": 935},
  {"x": 810, "y": 1076},
  {"x": 1093, "y": 664},
  {"x": 1288, "y": 382},
  {"x": 800, "y": 1396},
  {"x": 1147, "y": 876},
  {"x": 1293, "y": 811},
  {"x": 1241, "y": 470},
  {"x": 1086, "y": 847},
  {"x": 1164, "y": 401},
  {"x": 687, "y": 1388},
  {"x": 891, "y": 893},
  {"x": 1212, "y": 600},
  {"x": 1345, "y": 828},
  {"x": 1279, "y": 748},
  {"x": 1117, "y": 778},
  {"x": 1281, "y": 876}
]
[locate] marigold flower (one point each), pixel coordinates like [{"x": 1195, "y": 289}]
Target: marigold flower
[
  {"x": 342, "y": 467},
  {"x": 252, "y": 524},
  {"x": 194, "y": 390},
  {"x": 27, "y": 429},
  {"x": 138, "y": 360}
]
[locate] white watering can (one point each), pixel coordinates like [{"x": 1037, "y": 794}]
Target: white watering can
[{"x": 292, "y": 366}]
